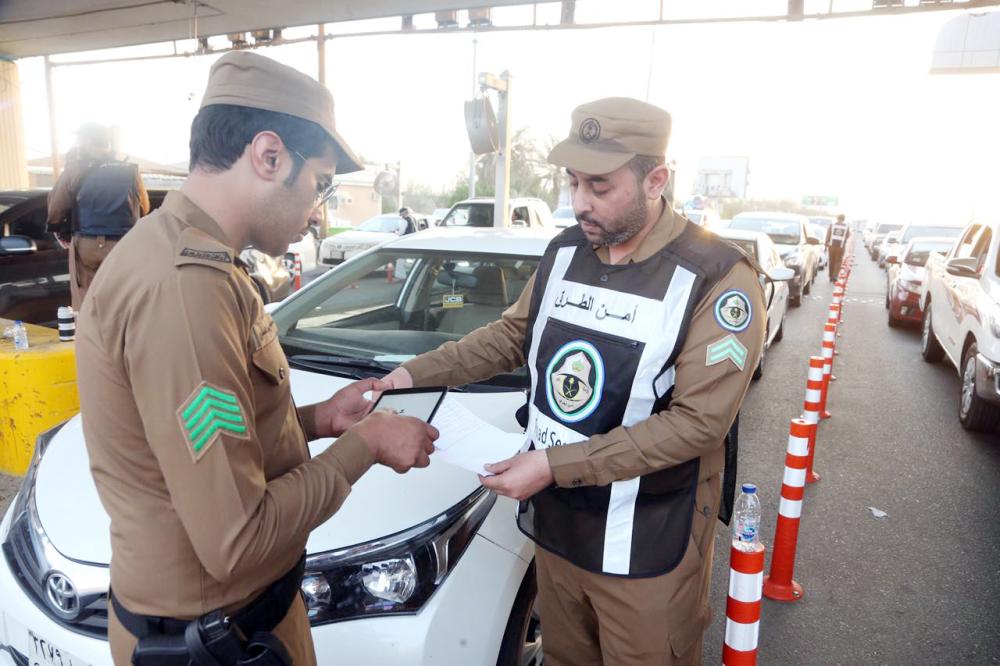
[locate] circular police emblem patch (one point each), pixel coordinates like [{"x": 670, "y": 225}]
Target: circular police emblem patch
[
  {"x": 733, "y": 311},
  {"x": 590, "y": 130},
  {"x": 574, "y": 381}
]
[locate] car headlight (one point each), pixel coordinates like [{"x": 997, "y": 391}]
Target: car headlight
[
  {"x": 910, "y": 285},
  {"x": 792, "y": 259},
  {"x": 394, "y": 575},
  {"x": 41, "y": 443}
]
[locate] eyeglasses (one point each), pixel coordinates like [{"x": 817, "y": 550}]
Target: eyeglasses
[{"x": 324, "y": 191}]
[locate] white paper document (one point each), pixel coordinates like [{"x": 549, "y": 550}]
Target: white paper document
[{"x": 469, "y": 442}]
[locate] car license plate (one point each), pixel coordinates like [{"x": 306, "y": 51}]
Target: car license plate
[{"x": 39, "y": 650}]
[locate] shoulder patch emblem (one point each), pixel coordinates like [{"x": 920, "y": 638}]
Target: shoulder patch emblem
[
  {"x": 727, "y": 349},
  {"x": 207, "y": 414},
  {"x": 733, "y": 311},
  {"x": 207, "y": 255}
]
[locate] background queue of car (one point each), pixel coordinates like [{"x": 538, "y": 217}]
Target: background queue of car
[
  {"x": 798, "y": 249},
  {"x": 905, "y": 278}
]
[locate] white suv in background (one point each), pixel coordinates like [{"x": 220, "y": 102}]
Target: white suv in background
[
  {"x": 478, "y": 212},
  {"x": 961, "y": 305}
]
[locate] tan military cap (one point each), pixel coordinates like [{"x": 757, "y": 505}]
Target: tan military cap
[
  {"x": 243, "y": 78},
  {"x": 607, "y": 133}
]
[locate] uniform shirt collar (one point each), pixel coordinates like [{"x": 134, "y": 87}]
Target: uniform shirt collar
[
  {"x": 181, "y": 207},
  {"x": 667, "y": 228}
]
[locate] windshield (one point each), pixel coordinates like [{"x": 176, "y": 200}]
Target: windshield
[
  {"x": 395, "y": 304},
  {"x": 921, "y": 231},
  {"x": 782, "y": 232},
  {"x": 886, "y": 228},
  {"x": 821, "y": 221},
  {"x": 387, "y": 224},
  {"x": 921, "y": 250},
  {"x": 469, "y": 215}
]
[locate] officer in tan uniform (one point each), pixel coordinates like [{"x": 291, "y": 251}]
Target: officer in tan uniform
[
  {"x": 199, "y": 454},
  {"x": 640, "y": 332}
]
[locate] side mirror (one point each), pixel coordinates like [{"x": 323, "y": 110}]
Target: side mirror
[
  {"x": 16, "y": 245},
  {"x": 812, "y": 241},
  {"x": 781, "y": 274},
  {"x": 963, "y": 267}
]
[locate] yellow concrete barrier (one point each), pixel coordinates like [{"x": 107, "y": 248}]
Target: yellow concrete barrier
[{"x": 37, "y": 391}]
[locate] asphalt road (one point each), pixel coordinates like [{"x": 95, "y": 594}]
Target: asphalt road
[{"x": 920, "y": 586}]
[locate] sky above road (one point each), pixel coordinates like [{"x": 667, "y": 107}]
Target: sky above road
[{"x": 839, "y": 107}]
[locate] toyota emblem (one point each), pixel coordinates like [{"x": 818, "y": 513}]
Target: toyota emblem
[{"x": 62, "y": 596}]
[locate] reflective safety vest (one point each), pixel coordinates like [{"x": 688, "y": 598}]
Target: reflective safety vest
[
  {"x": 838, "y": 234},
  {"x": 107, "y": 201},
  {"x": 601, "y": 351}
]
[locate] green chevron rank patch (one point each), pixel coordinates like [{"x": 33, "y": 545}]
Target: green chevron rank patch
[
  {"x": 207, "y": 414},
  {"x": 727, "y": 349}
]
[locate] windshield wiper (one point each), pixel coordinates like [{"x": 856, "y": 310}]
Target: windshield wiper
[{"x": 356, "y": 368}]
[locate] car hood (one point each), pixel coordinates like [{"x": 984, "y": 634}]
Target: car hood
[
  {"x": 785, "y": 250},
  {"x": 366, "y": 238},
  {"x": 381, "y": 502}
]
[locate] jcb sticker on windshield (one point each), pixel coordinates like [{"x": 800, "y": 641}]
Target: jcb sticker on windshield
[{"x": 453, "y": 300}]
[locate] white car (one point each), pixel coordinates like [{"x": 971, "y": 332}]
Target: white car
[
  {"x": 478, "y": 212},
  {"x": 459, "y": 584},
  {"x": 564, "y": 217},
  {"x": 797, "y": 248},
  {"x": 372, "y": 232},
  {"x": 762, "y": 249},
  {"x": 960, "y": 301}
]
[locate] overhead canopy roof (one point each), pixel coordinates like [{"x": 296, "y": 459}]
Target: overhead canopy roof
[
  {"x": 968, "y": 44},
  {"x": 45, "y": 27}
]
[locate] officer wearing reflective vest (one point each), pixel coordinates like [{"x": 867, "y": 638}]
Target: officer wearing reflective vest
[
  {"x": 640, "y": 331},
  {"x": 198, "y": 453},
  {"x": 836, "y": 242},
  {"x": 95, "y": 202}
]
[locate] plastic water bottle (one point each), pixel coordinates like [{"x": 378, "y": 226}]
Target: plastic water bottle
[
  {"x": 20, "y": 336},
  {"x": 746, "y": 519}
]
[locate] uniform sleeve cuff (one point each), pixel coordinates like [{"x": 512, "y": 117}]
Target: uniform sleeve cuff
[
  {"x": 307, "y": 415},
  {"x": 420, "y": 368},
  {"x": 570, "y": 468},
  {"x": 353, "y": 455}
]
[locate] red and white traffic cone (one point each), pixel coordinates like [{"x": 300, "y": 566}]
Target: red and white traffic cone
[
  {"x": 746, "y": 574},
  {"x": 829, "y": 345},
  {"x": 811, "y": 409},
  {"x": 297, "y": 271},
  {"x": 778, "y": 585}
]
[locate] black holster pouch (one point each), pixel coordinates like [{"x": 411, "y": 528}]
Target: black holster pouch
[{"x": 216, "y": 639}]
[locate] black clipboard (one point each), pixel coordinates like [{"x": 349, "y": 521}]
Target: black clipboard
[{"x": 421, "y": 403}]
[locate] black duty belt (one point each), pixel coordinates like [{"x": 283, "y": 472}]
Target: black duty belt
[{"x": 217, "y": 639}]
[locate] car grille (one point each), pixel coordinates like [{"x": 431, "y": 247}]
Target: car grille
[{"x": 23, "y": 560}]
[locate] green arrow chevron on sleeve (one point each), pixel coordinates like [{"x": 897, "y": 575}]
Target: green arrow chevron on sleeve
[
  {"x": 728, "y": 348},
  {"x": 208, "y": 413}
]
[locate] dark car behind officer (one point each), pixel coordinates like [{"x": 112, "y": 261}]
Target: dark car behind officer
[
  {"x": 640, "y": 331},
  {"x": 199, "y": 454}
]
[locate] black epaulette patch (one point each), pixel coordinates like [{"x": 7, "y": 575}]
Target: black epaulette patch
[{"x": 221, "y": 257}]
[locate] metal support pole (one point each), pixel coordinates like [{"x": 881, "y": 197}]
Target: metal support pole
[
  {"x": 502, "y": 190},
  {"x": 53, "y": 136},
  {"x": 475, "y": 85},
  {"x": 324, "y": 222}
]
